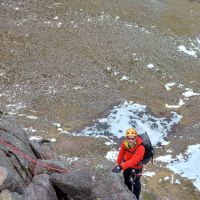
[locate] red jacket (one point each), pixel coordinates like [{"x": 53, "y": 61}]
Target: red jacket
[{"x": 131, "y": 157}]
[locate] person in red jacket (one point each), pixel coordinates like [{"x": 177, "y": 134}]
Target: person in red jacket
[{"x": 130, "y": 161}]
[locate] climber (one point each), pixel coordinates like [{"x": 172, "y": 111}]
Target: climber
[{"x": 130, "y": 161}]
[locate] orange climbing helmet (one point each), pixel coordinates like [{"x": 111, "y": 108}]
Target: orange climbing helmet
[{"x": 131, "y": 132}]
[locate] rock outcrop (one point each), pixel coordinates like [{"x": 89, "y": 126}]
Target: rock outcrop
[{"x": 23, "y": 174}]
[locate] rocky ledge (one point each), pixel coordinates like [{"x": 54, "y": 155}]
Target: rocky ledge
[{"x": 27, "y": 171}]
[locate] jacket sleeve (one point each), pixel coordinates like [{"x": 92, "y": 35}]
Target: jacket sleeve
[
  {"x": 121, "y": 154},
  {"x": 136, "y": 158}
]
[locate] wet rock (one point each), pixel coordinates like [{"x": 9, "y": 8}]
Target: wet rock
[
  {"x": 43, "y": 151},
  {"x": 7, "y": 195},
  {"x": 40, "y": 188}
]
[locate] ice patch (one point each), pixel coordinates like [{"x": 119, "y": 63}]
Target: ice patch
[
  {"x": 181, "y": 103},
  {"x": 127, "y": 115},
  {"x": 169, "y": 85},
  {"x": 112, "y": 155}
]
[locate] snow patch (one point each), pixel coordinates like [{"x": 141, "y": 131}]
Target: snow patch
[
  {"x": 36, "y": 137},
  {"x": 189, "y": 93},
  {"x": 185, "y": 165},
  {"x": 190, "y": 52},
  {"x": 70, "y": 160},
  {"x": 127, "y": 115},
  {"x": 181, "y": 103},
  {"x": 149, "y": 66},
  {"x": 169, "y": 85},
  {"x": 32, "y": 130},
  {"x": 78, "y": 87},
  {"x": 112, "y": 155},
  {"x": 148, "y": 173},
  {"x": 58, "y": 125},
  {"x": 124, "y": 78},
  {"x": 31, "y": 117}
]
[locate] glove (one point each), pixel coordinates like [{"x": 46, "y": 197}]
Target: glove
[{"x": 117, "y": 169}]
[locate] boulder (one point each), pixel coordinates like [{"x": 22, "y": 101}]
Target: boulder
[
  {"x": 40, "y": 188},
  {"x": 92, "y": 183},
  {"x": 10, "y": 178},
  {"x": 14, "y": 135},
  {"x": 60, "y": 165},
  {"x": 7, "y": 195},
  {"x": 43, "y": 150}
]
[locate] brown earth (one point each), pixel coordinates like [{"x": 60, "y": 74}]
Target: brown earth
[{"x": 59, "y": 72}]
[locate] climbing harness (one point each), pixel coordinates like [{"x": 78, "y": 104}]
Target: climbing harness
[{"x": 132, "y": 178}]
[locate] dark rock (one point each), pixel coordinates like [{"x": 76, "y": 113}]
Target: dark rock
[
  {"x": 43, "y": 151},
  {"x": 40, "y": 189}
]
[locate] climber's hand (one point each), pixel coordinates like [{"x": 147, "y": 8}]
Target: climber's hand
[{"x": 116, "y": 169}]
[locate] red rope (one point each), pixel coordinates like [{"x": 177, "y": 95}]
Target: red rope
[{"x": 14, "y": 149}]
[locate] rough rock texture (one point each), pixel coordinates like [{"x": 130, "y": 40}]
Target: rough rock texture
[
  {"x": 40, "y": 188},
  {"x": 87, "y": 183},
  {"x": 43, "y": 151},
  {"x": 7, "y": 195},
  {"x": 18, "y": 168},
  {"x": 60, "y": 165}
]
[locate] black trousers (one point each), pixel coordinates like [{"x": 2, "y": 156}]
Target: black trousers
[{"x": 137, "y": 185}]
